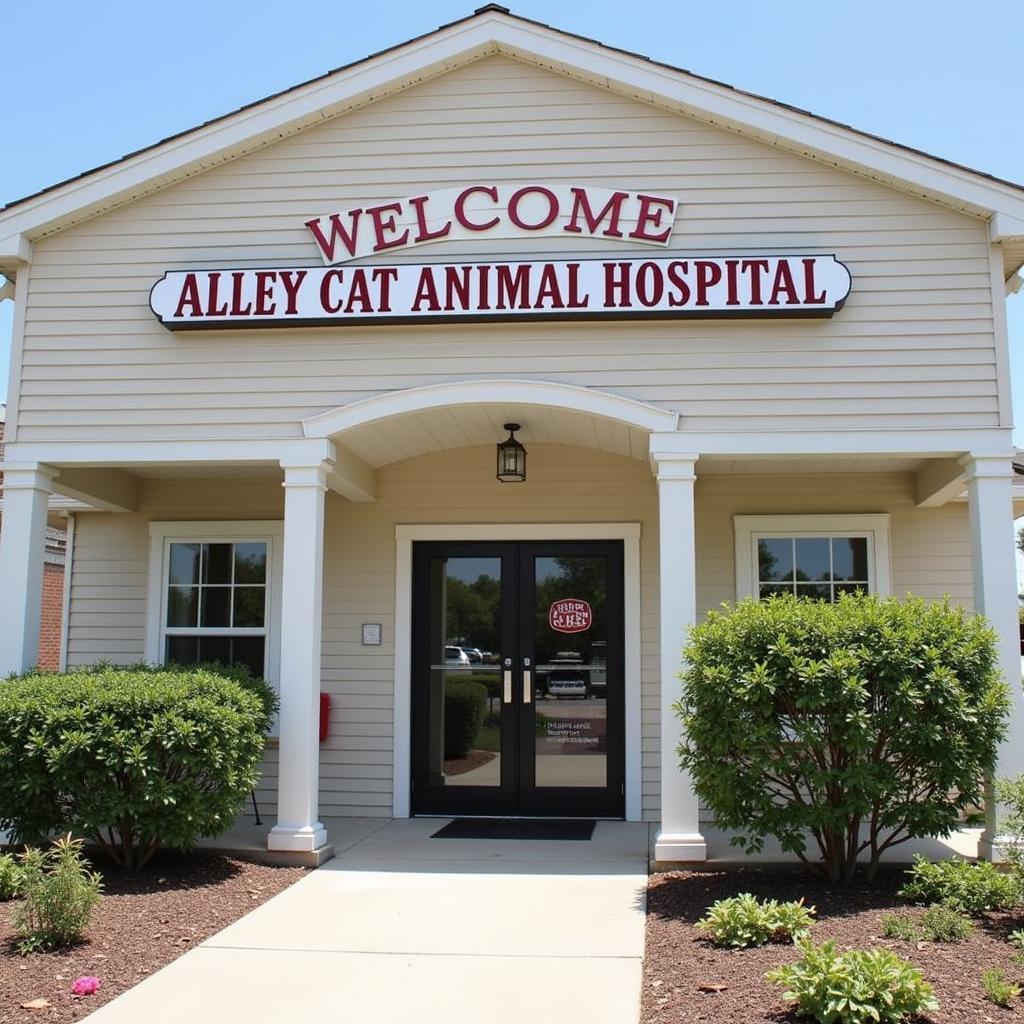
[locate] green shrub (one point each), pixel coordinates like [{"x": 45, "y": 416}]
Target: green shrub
[
  {"x": 899, "y": 926},
  {"x": 1016, "y": 938},
  {"x": 856, "y": 987},
  {"x": 58, "y": 894},
  {"x": 745, "y": 920},
  {"x": 465, "y": 707},
  {"x": 968, "y": 887},
  {"x": 998, "y": 988},
  {"x": 132, "y": 758},
  {"x": 853, "y": 726},
  {"x": 944, "y": 924},
  {"x": 10, "y": 876}
]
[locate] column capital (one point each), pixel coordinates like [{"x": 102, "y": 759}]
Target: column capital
[
  {"x": 987, "y": 466},
  {"x": 34, "y": 476},
  {"x": 306, "y": 474},
  {"x": 669, "y": 465}
]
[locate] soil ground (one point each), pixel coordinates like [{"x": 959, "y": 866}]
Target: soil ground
[
  {"x": 145, "y": 920},
  {"x": 678, "y": 960}
]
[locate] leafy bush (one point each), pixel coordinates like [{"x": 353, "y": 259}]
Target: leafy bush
[
  {"x": 745, "y": 920},
  {"x": 1010, "y": 795},
  {"x": 10, "y": 876},
  {"x": 130, "y": 757},
  {"x": 962, "y": 885},
  {"x": 857, "y": 725},
  {"x": 58, "y": 894},
  {"x": 465, "y": 706},
  {"x": 943, "y": 924},
  {"x": 1016, "y": 938},
  {"x": 856, "y": 987},
  {"x": 899, "y": 926},
  {"x": 998, "y": 988}
]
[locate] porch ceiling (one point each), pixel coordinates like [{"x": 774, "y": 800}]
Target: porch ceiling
[{"x": 419, "y": 433}]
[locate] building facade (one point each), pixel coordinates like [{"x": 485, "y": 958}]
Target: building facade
[{"x": 746, "y": 350}]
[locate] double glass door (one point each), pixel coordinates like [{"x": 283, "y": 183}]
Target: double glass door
[{"x": 518, "y": 679}]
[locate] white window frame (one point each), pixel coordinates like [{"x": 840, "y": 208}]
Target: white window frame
[
  {"x": 751, "y": 529},
  {"x": 163, "y": 534}
]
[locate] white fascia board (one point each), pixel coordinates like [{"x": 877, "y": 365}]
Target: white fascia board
[
  {"x": 1003, "y": 228},
  {"x": 299, "y": 451},
  {"x": 492, "y": 32},
  {"x": 923, "y": 443}
]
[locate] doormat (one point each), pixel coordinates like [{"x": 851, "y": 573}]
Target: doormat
[{"x": 511, "y": 828}]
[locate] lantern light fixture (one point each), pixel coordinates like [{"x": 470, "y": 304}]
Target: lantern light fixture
[{"x": 511, "y": 457}]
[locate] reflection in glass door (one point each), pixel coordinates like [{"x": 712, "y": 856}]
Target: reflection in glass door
[{"x": 518, "y": 679}]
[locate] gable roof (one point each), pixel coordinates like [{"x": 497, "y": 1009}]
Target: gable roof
[{"x": 489, "y": 30}]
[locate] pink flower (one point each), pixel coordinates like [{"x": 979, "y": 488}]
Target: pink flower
[{"x": 85, "y": 986}]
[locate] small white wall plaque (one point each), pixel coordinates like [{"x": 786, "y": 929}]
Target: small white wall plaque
[{"x": 371, "y": 634}]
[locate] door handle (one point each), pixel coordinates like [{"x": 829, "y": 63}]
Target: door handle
[
  {"x": 507, "y": 682},
  {"x": 527, "y": 682}
]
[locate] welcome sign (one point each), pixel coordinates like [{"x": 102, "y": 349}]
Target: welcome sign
[{"x": 752, "y": 286}]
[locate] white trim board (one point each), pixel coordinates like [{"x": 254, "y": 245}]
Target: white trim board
[
  {"x": 405, "y": 535},
  {"x": 161, "y": 534},
  {"x": 873, "y": 526}
]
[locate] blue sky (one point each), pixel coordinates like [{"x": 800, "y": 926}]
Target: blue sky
[{"x": 88, "y": 82}]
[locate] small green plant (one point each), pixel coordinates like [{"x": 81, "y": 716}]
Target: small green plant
[
  {"x": 998, "y": 988},
  {"x": 58, "y": 894},
  {"x": 856, "y": 987},
  {"x": 899, "y": 926},
  {"x": 1016, "y": 938},
  {"x": 944, "y": 924},
  {"x": 10, "y": 877},
  {"x": 745, "y": 920},
  {"x": 962, "y": 885}
]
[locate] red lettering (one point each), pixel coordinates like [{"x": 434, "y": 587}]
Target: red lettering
[
  {"x": 483, "y": 286},
  {"x": 291, "y": 287},
  {"x": 549, "y": 289},
  {"x": 189, "y": 297},
  {"x": 809, "y": 297},
  {"x": 681, "y": 296},
  {"x": 211, "y": 297},
  {"x": 650, "y": 285},
  {"x": 359, "y": 292},
  {"x": 783, "y": 283},
  {"x": 460, "y": 207},
  {"x": 731, "y": 289},
  {"x": 612, "y": 209},
  {"x": 755, "y": 268},
  {"x": 326, "y": 303},
  {"x": 264, "y": 290},
  {"x": 456, "y": 286},
  {"x": 384, "y": 276},
  {"x": 516, "y": 198},
  {"x": 513, "y": 291},
  {"x": 613, "y": 284},
  {"x": 424, "y": 234},
  {"x": 708, "y": 275},
  {"x": 426, "y": 291},
  {"x": 327, "y": 246},
  {"x": 576, "y": 300},
  {"x": 382, "y": 223},
  {"x": 237, "y": 309},
  {"x": 651, "y": 210}
]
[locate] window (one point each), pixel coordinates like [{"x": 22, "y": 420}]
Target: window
[
  {"x": 214, "y": 594},
  {"x": 811, "y": 556}
]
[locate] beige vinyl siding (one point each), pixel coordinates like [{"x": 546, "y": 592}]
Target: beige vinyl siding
[
  {"x": 930, "y": 556},
  {"x": 912, "y": 347}
]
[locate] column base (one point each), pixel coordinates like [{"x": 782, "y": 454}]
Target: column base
[
  {"x": 993, "y": 848},
  {"x": 297, "y": 838},
  {"x": 680, "y": 848}
]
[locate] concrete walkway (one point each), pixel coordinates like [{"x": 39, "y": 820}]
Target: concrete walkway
[{"x": 401, "y": 927}]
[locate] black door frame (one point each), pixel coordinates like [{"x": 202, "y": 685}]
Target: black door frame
[{"x": 517, "y": 794}]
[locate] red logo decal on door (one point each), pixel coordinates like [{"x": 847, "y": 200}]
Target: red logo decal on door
[{"x": 570, "y": 616}]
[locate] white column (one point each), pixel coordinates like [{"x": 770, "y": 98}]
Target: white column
[
  {"x": 679, "y": 837},
  {"x": 26, "y": 490},
  {"x": 298, "y": 827},
  {"x": 994, "y": 565}
]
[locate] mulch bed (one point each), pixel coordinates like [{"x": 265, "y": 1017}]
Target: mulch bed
[
  {"x": 678, "y": 960},
  {"x": 144, "y": 921},
  {"x": 474, "y": 759}
]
